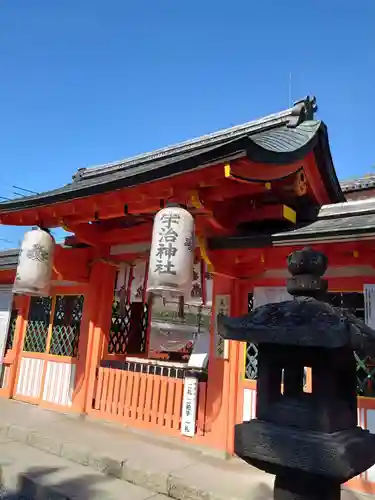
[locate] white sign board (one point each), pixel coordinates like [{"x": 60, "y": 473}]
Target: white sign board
[
  {"x": 269, "y": 295},
  {"x": 222, "y": 307},
  {"x": 189, "y": 406},
  {"x": 6, "y": 299},
  {"x": 199, "y": 356}
]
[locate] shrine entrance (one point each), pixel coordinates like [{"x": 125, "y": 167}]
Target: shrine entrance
[
  {"x": 130, "y": 388},
  {"x": 46, "y": 372}
]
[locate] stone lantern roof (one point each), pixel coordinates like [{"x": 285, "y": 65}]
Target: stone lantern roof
[{"x": 304, "y": 322}]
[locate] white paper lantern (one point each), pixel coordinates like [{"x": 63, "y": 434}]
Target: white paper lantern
[
  {"x": 33, "y": 276},
  {"x": 172, "y": 253}
]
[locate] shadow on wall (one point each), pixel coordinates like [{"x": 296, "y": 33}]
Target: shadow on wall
[{"x": 38, "y": 483}]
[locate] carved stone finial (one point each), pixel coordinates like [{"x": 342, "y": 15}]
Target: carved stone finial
[{"x": 307, "y": 267}]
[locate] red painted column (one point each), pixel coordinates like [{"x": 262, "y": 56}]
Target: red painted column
[
  {"x": 95, "y": 325},
  {"x": 222, "y": 378}
]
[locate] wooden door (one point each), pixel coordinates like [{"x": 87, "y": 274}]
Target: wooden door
[{"x": 47, "y": 367}]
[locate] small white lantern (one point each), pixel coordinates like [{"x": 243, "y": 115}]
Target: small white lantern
[
  {"x": 172, "y": 253},
  {"x": 33, "y": 276}
]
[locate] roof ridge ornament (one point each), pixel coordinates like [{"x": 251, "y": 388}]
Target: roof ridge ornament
[{"x": 303, "y": 110}]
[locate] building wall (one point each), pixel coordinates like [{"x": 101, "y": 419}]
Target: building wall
[{"x": 361, "y": 194}]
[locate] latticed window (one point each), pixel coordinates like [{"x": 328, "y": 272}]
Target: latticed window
[
  {"x": 354, "y": 303},
  {"x": 251, "y": 362},
  {"x": 38, "y": 324},
  {"x": 63, "y": 336},
  {"x": 128, "y": 327},
  {"x": 66, "y": 325}
]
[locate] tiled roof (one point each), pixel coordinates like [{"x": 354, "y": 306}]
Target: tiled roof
[
  {"x": 8, "y": 259},
  {"x": 280, "y": 138},
  {"x": 365, "y": 182},
  {"x": 296, "y": 114}
]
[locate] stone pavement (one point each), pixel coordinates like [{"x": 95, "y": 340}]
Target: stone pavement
[{"x": 46, "y": 454}]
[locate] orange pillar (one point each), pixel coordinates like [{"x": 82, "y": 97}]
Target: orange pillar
[
  {"x": 23, "y": 304},
  {"x": 99, "y": 313},
  {"x": 219, "y": 377},
  {"x": 236, "y": 359},
  {"x": 223, "y": 390}
]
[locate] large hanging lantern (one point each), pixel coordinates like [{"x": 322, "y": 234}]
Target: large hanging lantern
[
  {"x": 33, "y": 276},
  {"x": 172, "y": 253}
]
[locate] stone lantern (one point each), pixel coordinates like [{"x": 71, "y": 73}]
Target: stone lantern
[{"x": 311, "y": 441}]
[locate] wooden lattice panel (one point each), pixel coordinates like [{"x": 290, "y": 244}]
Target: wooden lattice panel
[
  {"x": 37, "y": 324},
  {"x": 128, "y": 328},
  {"x": 66, "y": 325},
  {"x": 120, "y": 327},
  {"x": 251, "y": 362}
]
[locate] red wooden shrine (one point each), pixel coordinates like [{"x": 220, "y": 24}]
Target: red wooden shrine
[{"x": 257, "y": 192}]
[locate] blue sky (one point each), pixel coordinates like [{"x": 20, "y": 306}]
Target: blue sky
[{"x": 85, "y": 82}]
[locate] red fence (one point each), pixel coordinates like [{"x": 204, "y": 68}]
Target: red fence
[{"x": 151, "y": 399}]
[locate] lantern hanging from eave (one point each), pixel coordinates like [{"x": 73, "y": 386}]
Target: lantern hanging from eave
[
  {"x": 172, "y": 253},
  {"x": 34, "y": 270}
]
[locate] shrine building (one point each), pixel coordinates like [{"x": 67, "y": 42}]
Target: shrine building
[{"x": 97, "y": 325}]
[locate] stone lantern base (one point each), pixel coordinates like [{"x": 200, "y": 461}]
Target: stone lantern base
[
  {"x": 309, "y": 487},
  {"x": 308, "y": 465}
]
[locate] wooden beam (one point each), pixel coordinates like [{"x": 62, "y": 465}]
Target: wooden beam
[
  {"x": 241, "y": 211},
  {"x": 227, "y": 189},
  {"x": 7, "y": 276},
  {"x": 254, "y": 259},
  {"x": 72, "y": 264}
]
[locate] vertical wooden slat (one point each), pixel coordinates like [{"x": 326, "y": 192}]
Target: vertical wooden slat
[
  {"x": 129, "y": 391},
  {"x": 155, "y": 402},
  {"x": 134, "y": 397},
  {"x": 170, "y": 403},
  {"x": 177, "y": 404},
  {"x": 116, "y": 392},
  {"x": 163, "y": 401},
  {"x": 142, "y": 397},
  {"x": 149, "y": 397},
  {"x": 99, "y": 388},
  {"x": 111, "y": 383},
  {"x": 122, "y": 393},
  {"x": 103, "y": 399}
]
